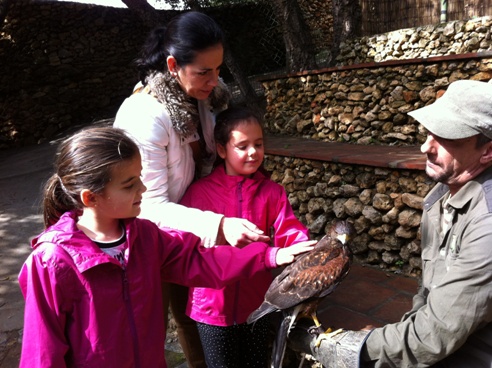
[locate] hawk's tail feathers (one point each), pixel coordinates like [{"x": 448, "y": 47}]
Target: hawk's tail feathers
[
  {"x": 280, "y": 342},
  {"x": 261, "y": 311}
]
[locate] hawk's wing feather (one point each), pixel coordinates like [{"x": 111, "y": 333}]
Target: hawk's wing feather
[
  {"x": 313, "y": 274},
  {"x": 302, "y": 285},
  {"x": 264, "y": 309}
]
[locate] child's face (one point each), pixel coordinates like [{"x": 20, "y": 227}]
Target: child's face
[
  {"x": 244, "y": 152},
  {"x": 122, "y": 195}
]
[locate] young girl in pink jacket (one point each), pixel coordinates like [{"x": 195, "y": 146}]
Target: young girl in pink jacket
[
  {"x": 92, "y": 284},
  {"x": 237, "y": 187}
]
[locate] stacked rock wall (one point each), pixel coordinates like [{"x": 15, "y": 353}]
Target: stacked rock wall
[
  {"x": 380, "y": 78},
  {"x": 365, "y": 102},
  {"x": 319, "y": 18},
  {"x": 78, "y": 68},
  {"x": 452, "y": 38},
  {"x": 63, "y": 64},
  {"x": 384, "y": 204},
  {"x": 66, "y": 64}
]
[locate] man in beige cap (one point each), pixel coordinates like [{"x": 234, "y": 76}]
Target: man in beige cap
[{"x": 450, "y": 324}]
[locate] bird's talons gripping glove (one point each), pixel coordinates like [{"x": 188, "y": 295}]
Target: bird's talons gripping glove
[{"x": 338, "y": 349}]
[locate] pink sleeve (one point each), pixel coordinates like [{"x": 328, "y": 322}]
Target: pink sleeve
[
  {"x": 44, "y": 343},
  {"x": 288, "y": 229},
  {"x": 188, "y": 263},
  {"x": 272, "y": 256}
]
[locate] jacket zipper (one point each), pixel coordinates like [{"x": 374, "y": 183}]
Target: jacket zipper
[
  {"x": 131, "y": 318},
  {"x": 239, "y": 196}
]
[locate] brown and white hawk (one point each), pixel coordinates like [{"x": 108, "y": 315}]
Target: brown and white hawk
[{"x": 301, "y": 286}]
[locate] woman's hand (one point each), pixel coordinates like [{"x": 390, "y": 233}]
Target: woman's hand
[
  {"x": 239, "y": 232},
  {"x": 287, "y": 255}
]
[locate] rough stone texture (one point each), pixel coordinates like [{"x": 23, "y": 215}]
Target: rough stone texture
[
  {"x": 368, "y": 103},
  {"x": 78, "y": 68},
  {"x": 319, "y": 18},
  {"x": 65, "y": 63},
  {"x": 384, "y": 204},
  {"x": 456, "y": 37}
]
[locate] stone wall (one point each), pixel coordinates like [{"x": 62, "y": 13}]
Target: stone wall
[
  {"x": 76, "y": 68},
  {"x": 319, "y": 18},
  {"x": 384, "y": 204},
  {"x": 65, "y": 64},
  {"x": 452, "y": 38},
  {"x": 366, "y": 99},
  {"x": 365, "y": 104}
]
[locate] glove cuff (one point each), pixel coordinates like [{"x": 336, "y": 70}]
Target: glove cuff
[{"x": 340, "y": 350}]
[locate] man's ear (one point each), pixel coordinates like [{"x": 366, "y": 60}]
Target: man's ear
[
  {"x": 221, "y": 151},
  {"x": 88, "y": 198},
  {"x": 487, "y": 154}
]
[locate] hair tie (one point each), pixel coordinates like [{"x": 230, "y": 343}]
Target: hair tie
[{"x": 61, "y": 184}]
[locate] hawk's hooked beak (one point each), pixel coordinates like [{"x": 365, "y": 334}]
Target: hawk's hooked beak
[{"x": 343, "y": 238}]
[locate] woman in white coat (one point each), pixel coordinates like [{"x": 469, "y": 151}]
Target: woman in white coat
[{"x": 171, "y": 115}]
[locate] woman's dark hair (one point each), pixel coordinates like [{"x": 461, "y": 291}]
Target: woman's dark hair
[
  {"x": 84, "y": 161},
  {"x": 184, "y": 36},
  {"x": 227, "y": 120}
]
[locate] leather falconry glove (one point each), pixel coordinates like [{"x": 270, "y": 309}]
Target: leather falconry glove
[{"x": 337, "y": 349}]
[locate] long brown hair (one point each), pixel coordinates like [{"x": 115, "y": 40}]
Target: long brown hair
[{"x": 84, "y": 161}]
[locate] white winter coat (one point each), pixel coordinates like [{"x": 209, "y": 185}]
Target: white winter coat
[{"x": 168, "y": 165}]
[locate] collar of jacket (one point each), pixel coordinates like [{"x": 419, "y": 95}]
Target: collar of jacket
[
  {"x": 83, "y": 251},
  {"x": 182, "y": 109},
  {"x": 219, "y": 175},
  {"x": 462, "y": 197}
]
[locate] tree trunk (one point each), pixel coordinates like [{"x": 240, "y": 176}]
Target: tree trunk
[
  {"x": 251, "y": 99},
  {"x": 300, "y": 53},
  {"x": 346, "y": 23}
]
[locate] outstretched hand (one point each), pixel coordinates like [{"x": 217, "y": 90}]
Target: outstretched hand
[
  {"x": 287, "y": 255},
  {"x": 239, "y": 232}
]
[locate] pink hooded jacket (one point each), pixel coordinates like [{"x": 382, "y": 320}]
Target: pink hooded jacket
[
  {"x": 265, "y": 204},
  {"x": 83, "y": 309}
]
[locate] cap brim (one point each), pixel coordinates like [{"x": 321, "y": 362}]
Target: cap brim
[{"x": 441, "y": 119}]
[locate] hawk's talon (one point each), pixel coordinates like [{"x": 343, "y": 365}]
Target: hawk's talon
[
  {"x": 328, "y": 334},
  {"x": 315, "y": 330}
]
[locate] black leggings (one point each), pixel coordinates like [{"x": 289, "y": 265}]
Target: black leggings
[{"x": 237, "y": 346}]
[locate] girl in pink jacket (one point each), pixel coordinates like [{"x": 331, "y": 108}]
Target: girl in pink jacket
[
  {"x": 92, "y": 284},
  {"x": 238, "y": 188}
]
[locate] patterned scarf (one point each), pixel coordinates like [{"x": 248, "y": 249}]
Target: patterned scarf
[{"x": 183, "y": 109}]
